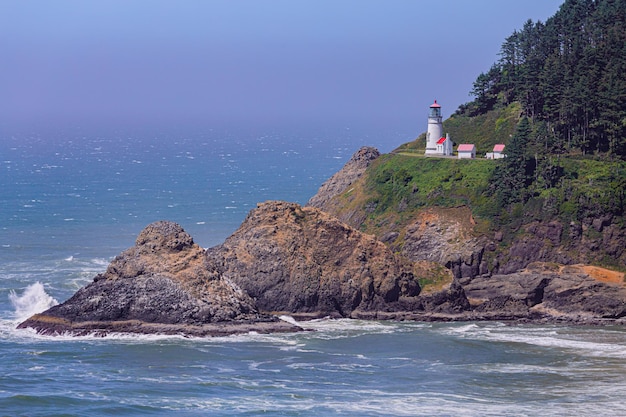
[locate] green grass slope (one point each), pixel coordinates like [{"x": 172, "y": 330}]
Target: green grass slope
[
  {"x": 589, "y": 196},
  {"x": 485, "y": 130}
]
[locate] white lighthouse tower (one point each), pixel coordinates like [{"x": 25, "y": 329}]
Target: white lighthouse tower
[{"x": 435, "y": 129}]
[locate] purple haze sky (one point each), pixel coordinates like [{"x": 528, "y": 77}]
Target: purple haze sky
[{"x": 274, "y": 62}]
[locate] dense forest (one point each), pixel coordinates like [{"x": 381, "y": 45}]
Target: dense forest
[{"x": 568, "y": 76}]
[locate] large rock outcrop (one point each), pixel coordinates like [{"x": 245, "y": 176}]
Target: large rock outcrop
[
  {"x": 301, "y": 260},
  {"x": 543, "y": 291},
  {"x": 161, "y": 285}
]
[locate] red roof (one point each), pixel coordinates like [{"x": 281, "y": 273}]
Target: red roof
[
  {"x": 440, "y": 141},
  {"x": 435, "y": 104},
  {"x": 498, "y": 148},
  {"x": 465, "y": 147}
]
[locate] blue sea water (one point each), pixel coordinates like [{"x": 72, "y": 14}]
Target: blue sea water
[{"x": 72, "y": 200}]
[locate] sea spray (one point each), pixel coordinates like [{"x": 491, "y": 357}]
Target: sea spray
[{"x": 33, "y": 300}]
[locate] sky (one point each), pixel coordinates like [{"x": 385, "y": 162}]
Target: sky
[{"x": 247, "y": 62}]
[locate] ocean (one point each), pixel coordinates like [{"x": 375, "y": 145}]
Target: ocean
[{"x": 72, "y": 200}]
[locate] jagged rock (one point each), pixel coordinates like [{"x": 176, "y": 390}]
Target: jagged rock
[
  {"x": 161, "y": 285},
  {"x": 451, "y": 300},
  {"x": 547, "y": 291},
  {"x": 301, "y": 260},
  {"x": 551, "y": 231},
  {"x": 444, "y": 235},
  {"x": 345, "y": 177},
  {"x": 448, "y": 304},
  {"x": 600, "y": 223},
  {"x": 510, "y": 295}
]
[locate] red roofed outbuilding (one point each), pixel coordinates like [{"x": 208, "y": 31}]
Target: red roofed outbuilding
[
  {"x": 444, "y": 146},
  {"x": 498, "y": 152},
  {"x": 466, "y": 151}
]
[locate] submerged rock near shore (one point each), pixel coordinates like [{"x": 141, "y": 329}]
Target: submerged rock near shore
[{"x": 161, "y": 285}]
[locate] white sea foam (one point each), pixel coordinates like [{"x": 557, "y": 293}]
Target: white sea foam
[
  {"x": 614, "y": 350},
  {"x": 546, "y": 337},
  {"x": 33, "y": 300},
  {"x": 335, "y": 328},
  {"x": 289, "y": 319}
]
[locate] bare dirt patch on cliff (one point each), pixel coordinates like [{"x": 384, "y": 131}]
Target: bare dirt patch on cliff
[{"x": 603, "y": 275}]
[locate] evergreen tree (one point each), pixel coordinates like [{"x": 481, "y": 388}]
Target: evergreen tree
[
  {"x": 568, "y": 73},
  {"x": 514, "y": 173}
]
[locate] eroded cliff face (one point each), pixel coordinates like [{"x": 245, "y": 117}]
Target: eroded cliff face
[
  {"x": 591, "y": 240},
  {"x": 301, "y": 260},
  {"x": 445, "y": 236},
  {"x": 160, "y": 285}
]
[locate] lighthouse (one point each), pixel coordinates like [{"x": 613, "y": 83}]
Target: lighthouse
[{"x": 435, "y": 129}]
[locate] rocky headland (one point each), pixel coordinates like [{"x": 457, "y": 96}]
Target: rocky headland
[
  {"x": 308, "y": 263},
  {"x": 343, "y": 179},
  {"x": 535, "y": 278}
]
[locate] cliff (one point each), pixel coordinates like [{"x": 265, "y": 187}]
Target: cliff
[
  {"x": 433, "y": 210},
  {"x": 444, "y": 210},
  {"x": 161, "y": 285}
]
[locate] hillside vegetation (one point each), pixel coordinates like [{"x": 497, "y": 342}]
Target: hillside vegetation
[
  {"x": 562, "y": 188},
  {"x": 567, "y": 75},
  {"x": 586, "y": 204}
]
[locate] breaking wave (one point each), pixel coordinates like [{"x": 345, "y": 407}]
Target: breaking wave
[{"x": 33, "y": 300}]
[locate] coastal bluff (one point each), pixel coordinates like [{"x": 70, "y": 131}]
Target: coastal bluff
[
  {"x": 160, "y": 285},
  {"x": 529, "y": 279},
  {"x": 311, "y": 262}
]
